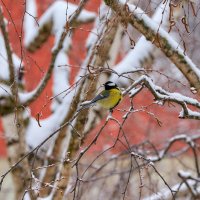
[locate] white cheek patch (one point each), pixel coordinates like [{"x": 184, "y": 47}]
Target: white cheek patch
[{"x": 111, "y": 84}]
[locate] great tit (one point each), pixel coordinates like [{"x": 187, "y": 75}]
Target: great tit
[{"x": 108, "y": 98}]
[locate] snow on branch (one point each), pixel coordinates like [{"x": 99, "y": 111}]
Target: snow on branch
[
  {"x": 99, "y": 24},
  {"x": 7, "y": 51},
  {"x": 53, "y": 21},
  {"x": 7, "y": 48},
  {"x": 142, "y": 49},
  {"x": 35, "y": 134},
  {"x": 190, "y": 140},
  {"x": 153, "y": 32},
  {"x": 4, "y": 68},
  {"x": 162, "y": 95},
  {"x": 5, "y": 85},
  {"x": 62, "y": 41},
  {"x": 166, "y": 194},
  {"x": 30, "y": 22}
]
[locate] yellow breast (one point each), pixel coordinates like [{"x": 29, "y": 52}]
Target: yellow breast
[{"x": 112, "y": 100}]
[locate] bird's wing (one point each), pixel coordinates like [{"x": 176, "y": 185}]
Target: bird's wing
[{"x": 104, "y": 94}]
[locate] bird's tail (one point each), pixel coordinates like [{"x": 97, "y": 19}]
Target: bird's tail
[{"x": 85, "y": 104}]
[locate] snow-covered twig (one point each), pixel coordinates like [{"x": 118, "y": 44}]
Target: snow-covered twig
[
  {"x": 189, "y": 180},
  {"x": 166, "y": 194},
  {"x": 162, "y": 95}
]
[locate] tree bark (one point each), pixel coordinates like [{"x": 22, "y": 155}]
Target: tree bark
[{"x": 15, "y": 130}]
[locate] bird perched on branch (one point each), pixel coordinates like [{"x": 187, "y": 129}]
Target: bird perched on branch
[{"x": 109, "y": 98}]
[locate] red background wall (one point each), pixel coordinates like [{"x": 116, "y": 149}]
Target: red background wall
[{"x": 42, "y": 56}]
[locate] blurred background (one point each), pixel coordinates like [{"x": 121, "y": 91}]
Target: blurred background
[{"x": 147, "y": 130}]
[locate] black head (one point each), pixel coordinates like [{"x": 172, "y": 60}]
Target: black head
[{"x": 109, "y": 85}]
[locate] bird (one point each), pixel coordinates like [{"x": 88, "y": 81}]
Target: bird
[{"x": 109, "y": 98}]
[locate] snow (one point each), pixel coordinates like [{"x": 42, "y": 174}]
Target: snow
[
  {"x": 166, "y": 193},
  {"x": 95, "y": 32},
  {"x": 26, "y": 196},
  {"x": 29, "y": 21},
  {"x": 56, "y": 13},
  {"x": 25, "y": 96},
  {"x": 188, "y": 139},
  {"x": 61, "y": 78},
  {"x": 194, "y": 114},
  {"x": 134, "y": 91},
  {"x": 178, "y": 137},
  {"x": 138, "y": 13},
  {"x": 63, "y": 94},
  {"x": 180, "y": 97},
  {"x": 4, "y": 67},
  {"x": 50, "y": 197},
  {"x": 142, "y": 48},
  {"x": 4, "y": 91},
  {"x": 35, "y": 134},
  {"x": 185, "y": 174},
  {"x": 61, "y": 75},
  {"x": 165, "y": 95},
  {"x": 132, "y": 60}
]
